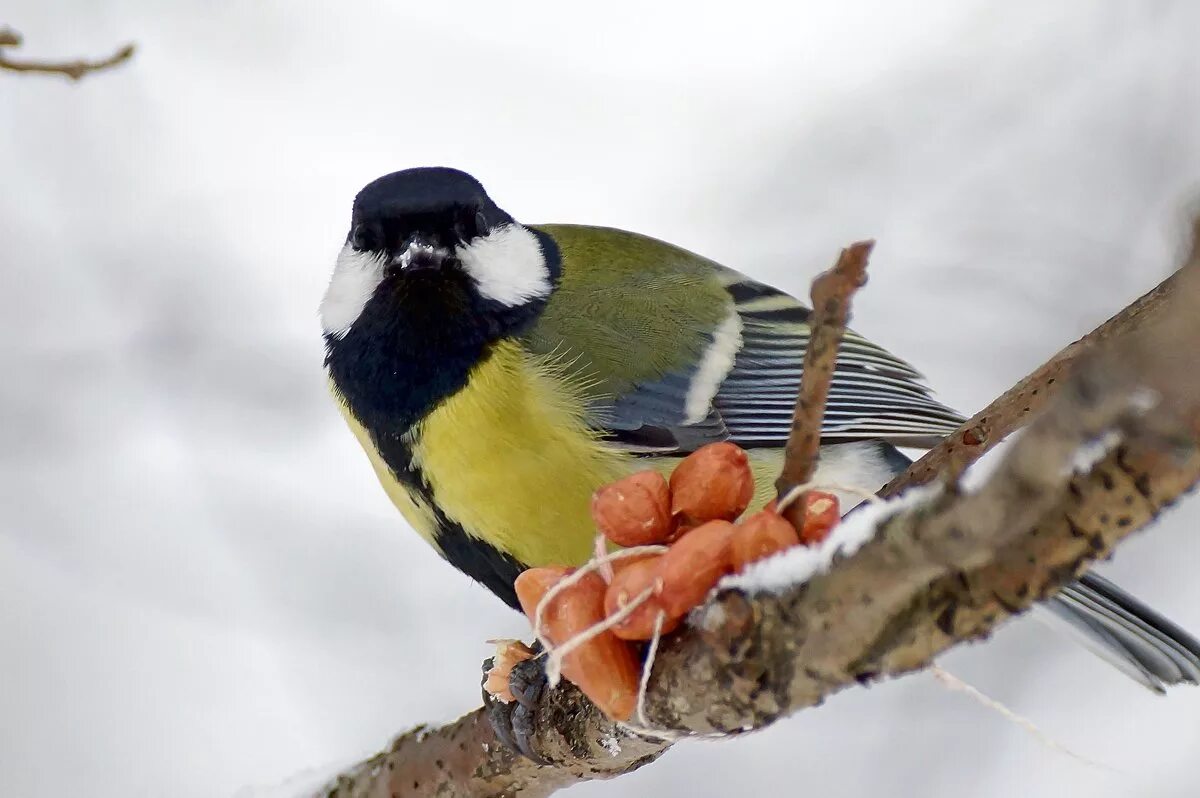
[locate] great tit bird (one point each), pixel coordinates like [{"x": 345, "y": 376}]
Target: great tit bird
[{"x": 497, "y": 373}]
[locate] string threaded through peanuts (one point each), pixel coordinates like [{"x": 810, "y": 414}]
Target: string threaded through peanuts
[
  {"x": 554, "y": 654},
  {"x": 643, "y": 726},
  {"x": 648, "y": 668},
  {"x": 554, "y": 661},
  {"x": 602, "y": 562},
  {"x": 799, "y": 490}
]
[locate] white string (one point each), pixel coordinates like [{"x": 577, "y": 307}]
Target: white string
[
  {"x": 554, "y": 662},
  {"x": 648, "y": 668},
  {"x": 958, "y": 685},
  {"x": 601, "y": 561},
  {"x": 599, "y": 552},
  {"x": 643, "y": 726},
  {"x": 592, "y": 565},
  {"x": 794, "y": 493}
]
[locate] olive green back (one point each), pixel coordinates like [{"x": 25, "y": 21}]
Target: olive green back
[{"x": 628, "y": 308}]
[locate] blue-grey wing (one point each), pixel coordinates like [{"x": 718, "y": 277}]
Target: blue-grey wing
[
  {"x": 874, "y": 395},
  {"x": 743, "y": 386}
]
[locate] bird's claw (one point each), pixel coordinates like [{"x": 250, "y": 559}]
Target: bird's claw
[{"x": 515, "y": 722}]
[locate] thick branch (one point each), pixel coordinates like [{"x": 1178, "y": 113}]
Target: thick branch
[
  {"x": 72, "y": 69},
  {"x": 934, "y": 575}
]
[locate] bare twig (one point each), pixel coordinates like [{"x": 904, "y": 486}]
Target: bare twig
[
  {"x": 74, "y": 70},
  {"x": 832, "y": 291},
  {"x": 1021, "y": 403}
]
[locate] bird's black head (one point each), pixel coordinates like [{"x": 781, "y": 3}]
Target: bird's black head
[
  {"x": 431, "y": 274},
  {"x": 425, "y": 213},
  {"x": 434, "y": 232}
]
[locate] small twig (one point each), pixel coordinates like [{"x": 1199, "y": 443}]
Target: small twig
[
  {"x": 1017, "y": 406},
  {"x": 72, "y": 69},
  {"x": 831, "y": 293}
]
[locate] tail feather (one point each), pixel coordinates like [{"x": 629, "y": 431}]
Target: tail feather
[
  {"x": 1092, "y": 635},
  {"x": 1128, "y": 634},
  {"x": 1114, "y": 625}
]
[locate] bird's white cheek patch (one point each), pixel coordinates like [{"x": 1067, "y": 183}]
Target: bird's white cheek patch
[
  {"x": 714, "y": 367},
  {"x": 356, "y": 275},
  {"x": 507, "y": 265}
]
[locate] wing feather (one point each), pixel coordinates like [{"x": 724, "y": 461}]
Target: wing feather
[{"x": 740, "y": 383}]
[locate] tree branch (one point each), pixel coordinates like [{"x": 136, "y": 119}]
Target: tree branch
[
  {"x": 831, "y": 294},
  {"x": 1016, "y": 406},
  {"x": 935, "y": 573},
  {"x": 74, "y": 70}
]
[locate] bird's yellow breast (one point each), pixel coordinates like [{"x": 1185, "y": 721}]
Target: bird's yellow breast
[{"x": 512, "y": 460}]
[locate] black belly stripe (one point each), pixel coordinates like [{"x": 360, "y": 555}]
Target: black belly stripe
[
  {"x": 476, "y": 558},
  {"x": 481, "y": 561},
  {"x": 413, "y": 345}
]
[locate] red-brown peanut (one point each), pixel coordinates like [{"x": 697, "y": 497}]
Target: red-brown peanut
[
  {"x": 621, "y": 563},
  {"x": 821, "y": 515},
  {"x": 759, "y": 536},
  {"x": 693, "y": 566},
  {"x": 713, "y": 482},
  {"x": 604, "y": 667},
  {"x": 630, "y": 582},
  {"x": 634, "y": 511}
]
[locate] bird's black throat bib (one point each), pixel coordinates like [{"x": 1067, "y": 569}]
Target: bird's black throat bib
[{"x": 413, "y": 346}]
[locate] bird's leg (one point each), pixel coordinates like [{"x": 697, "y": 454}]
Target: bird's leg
[{"x": 514, "y": 721}]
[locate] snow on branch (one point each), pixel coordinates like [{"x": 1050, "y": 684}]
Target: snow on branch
[{"x": 898, "y": 583}]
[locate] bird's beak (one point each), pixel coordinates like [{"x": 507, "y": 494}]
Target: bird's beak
[{"x": 419, "y": 253}]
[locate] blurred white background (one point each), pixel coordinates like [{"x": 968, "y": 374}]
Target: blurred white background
[{"x": 202, "y": 586}]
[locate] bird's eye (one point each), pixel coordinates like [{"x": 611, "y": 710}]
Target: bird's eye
[
  {"x": 470, "y": 225},
  {"x": 364, "y": 237}
]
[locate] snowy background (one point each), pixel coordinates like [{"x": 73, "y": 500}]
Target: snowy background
[{"x": 202, "y": 586}]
